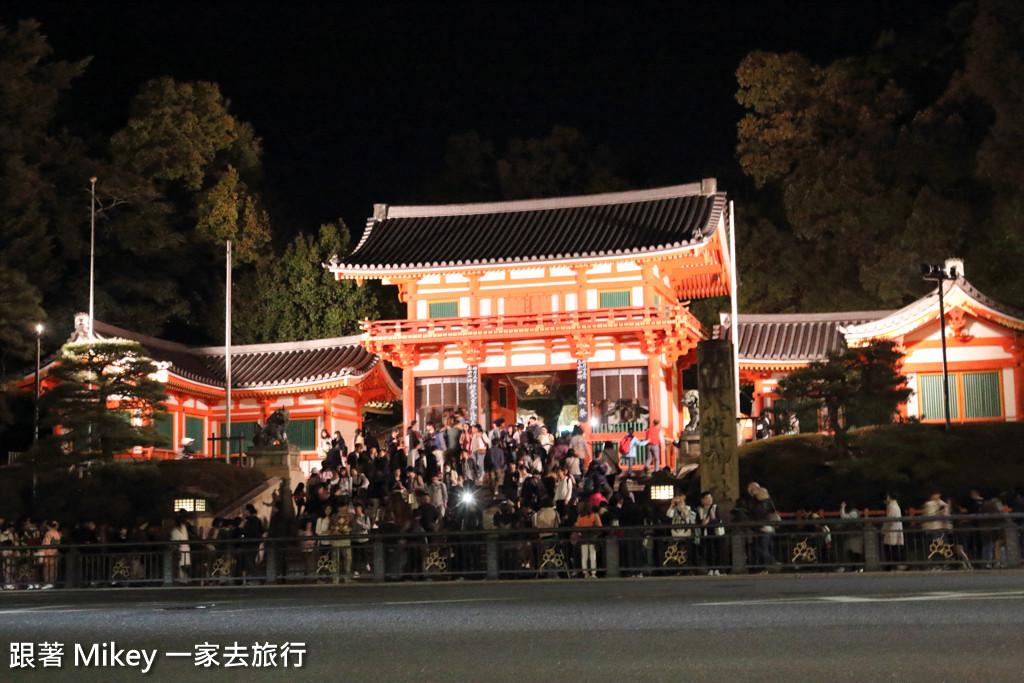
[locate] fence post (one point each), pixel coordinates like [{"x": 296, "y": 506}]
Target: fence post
[
  {"x": 1011, "y": 533},
  {"x": 379, "y": 561},
  {"x": 872, "y": 560},
  {"x": 491, "y": 544},
  {"x": 270, "y": 556},
  {"x": 737, "y": 545},
  {"x": 168, "y": 565},
  {"x": 72, "y": 568},
  {"x": 611, "y": 556}
]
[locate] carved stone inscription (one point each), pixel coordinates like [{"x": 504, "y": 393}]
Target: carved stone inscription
[{"x": 719, "y": 462}]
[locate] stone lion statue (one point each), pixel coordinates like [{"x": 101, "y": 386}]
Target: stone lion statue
[
  {"x": 691, "y": 399},
  {"x": 273, "y": 432}
]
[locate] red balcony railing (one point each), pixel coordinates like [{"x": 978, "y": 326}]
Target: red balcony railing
[{"x": 603, "y": 320}]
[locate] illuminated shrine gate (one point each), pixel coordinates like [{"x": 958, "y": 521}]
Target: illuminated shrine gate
[{"x": 506, "y": 300}]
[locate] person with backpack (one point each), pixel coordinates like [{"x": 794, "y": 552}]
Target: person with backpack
[{"x": 629, "y": 450}]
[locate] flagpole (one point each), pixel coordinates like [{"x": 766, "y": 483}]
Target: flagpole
[{"x": 227, "y": 355}]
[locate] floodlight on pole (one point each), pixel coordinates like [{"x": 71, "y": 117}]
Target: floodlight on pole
[{"x": 939, "y": 275}]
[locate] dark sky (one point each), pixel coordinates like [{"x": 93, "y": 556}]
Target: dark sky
[{"x": 355, "y": 101}]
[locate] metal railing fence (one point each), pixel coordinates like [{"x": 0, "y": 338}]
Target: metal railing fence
[{"x": 971, "y": 542}]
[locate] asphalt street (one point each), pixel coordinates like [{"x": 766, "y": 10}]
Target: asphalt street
[{"x": 915, "y": 626}]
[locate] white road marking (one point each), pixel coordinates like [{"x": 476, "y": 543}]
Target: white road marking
[{"x": 920, "y": 597}]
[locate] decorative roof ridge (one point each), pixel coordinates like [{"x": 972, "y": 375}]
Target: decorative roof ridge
[
  {"x": 928, "y": 303},
  {"x": 278, "y": 347},
  {"x": 985, "y": 300},
  {"x": 706, "y": 187}
]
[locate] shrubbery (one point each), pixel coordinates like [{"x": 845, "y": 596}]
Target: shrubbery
[{"x": 806, "y": 471}]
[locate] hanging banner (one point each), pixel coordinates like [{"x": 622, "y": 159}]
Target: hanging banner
[
  {"x": 582, "y": 399},
  {"x": 473, "y": 384}
]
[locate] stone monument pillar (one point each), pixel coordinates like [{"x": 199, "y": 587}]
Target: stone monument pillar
[
  {"x": 280, "y": 460},
  {"x": 719, "y": 460}
]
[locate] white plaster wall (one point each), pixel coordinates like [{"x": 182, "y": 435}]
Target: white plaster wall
[
  {"x": 606, "y": 280},
  {"x": 913, "y": 407},
  {"x": 562, "y": 357},
  {"x": 630, "y": 353},
  {"x": 455, "y": 277},
  {"x": 592, "y": 299},
  {"x": 604, "y": 356},
  {"x": 1009, "y": 396},
  {"x": 638, "y": 296},
  {"x": 464, "y": 306},
  {"x": 495, "y": 361},
  {"x": 525, "y": 359},
  {"x": 627, "y": 266},
  {"x": 554, "y": 303},
  {"x": 957, "y": 354},
  {"x": 600, "y": 268},
  {"x": 493, "y": 276},
  {"x": 570, "y": 302},
  {"x": 526, "y": 273},
  {"x": 421, "y": 309},
  {"x": 428, "y": 364},
  {"x": 485, "y": 306},
  {"x": 430, "y": 280},
  {"x": 454, "y": 362}
]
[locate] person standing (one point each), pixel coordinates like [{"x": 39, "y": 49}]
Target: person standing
[
  {"x": 48, "y": 554},
  {"x": 712, "y": 532},
  {"x": 893, "y": 548},
  {"x": 762, "y": 510},
  {"x": 630, "y": 450},
  {"x": 478, "y": 447},
  {"x": 588, "y": 520},
  {"x": 412, "y": 443},
  {"x": 654, "y": 439}
]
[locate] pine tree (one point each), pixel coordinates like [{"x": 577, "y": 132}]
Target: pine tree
[
  {"x": 106, "y": 399},
  {"x": 857, "y": 386}
]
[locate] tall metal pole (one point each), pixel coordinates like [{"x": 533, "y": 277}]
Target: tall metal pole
[
  {"x": 39, "y": 337},
  {"x": 92, "y": 253},
  {"x": 35, "y": 435},
  {"x": 734, "y": 318},
  {"x": 227, "y": 356},
  {"x": 945, "y": 369},
  {"x": 940, "y": 274}
]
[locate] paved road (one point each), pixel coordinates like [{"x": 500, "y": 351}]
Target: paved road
[{"x": 909, "y": 627}]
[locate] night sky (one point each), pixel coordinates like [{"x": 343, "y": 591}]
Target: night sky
[{"x": 355, "y": 101}]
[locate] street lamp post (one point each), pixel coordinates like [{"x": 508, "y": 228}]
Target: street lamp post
[{"x": 939, "y": 275}]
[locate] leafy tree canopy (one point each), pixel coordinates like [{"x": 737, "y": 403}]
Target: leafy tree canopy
[
  {"x": 563, "y": 163},
  {"x": 293, "y": 297},
  {"x": 181, "y": 136},
  {"x": 868, "y": 166}
]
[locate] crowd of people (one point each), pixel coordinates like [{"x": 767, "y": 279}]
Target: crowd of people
[
  {"x": 518, "y": 478},
  {"x": 550, "y": 500}
]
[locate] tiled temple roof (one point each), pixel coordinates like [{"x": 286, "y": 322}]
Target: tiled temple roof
[
  {"x": 564, "y": 228},
  {"x": 791, "y": 337},
  {"x": 256, "y": 366}
]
